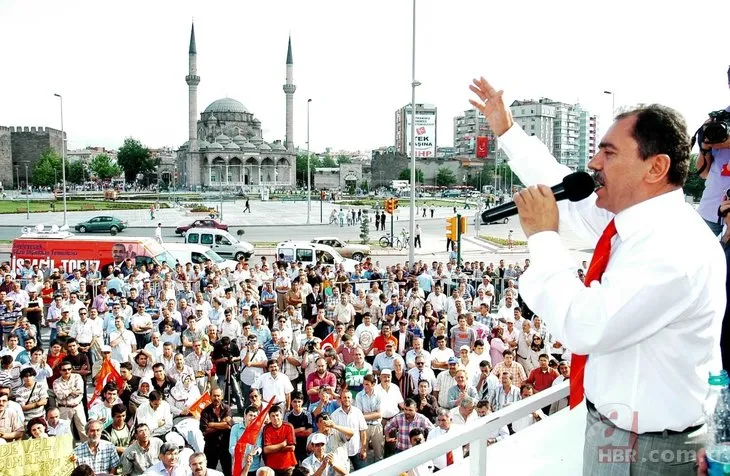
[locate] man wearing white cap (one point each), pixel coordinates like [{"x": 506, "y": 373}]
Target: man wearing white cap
[{"x": 323, "y": 461}]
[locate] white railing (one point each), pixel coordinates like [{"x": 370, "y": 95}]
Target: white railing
[{"x": 471, "y": 434}]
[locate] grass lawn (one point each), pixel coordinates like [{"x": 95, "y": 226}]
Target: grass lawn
[{"x": 19, "y": 206}]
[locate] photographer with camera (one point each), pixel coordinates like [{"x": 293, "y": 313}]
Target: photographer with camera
[
  {"x": 713, "y": 165},
  {"x": 253, "y": 364},
  {"x": 226, "y": 356}
]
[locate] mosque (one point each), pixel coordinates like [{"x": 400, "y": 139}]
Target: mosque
[{"x": 226, "y": 148}]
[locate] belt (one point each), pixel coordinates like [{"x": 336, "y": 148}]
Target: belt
[
  {"x": 664, "y": 433},
  {"x": 68, "y": 406}
]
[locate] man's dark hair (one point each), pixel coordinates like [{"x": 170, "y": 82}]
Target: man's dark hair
[
  {"x": 297, "y": 395},
  {"x": 662, "y": 130},
  {"x": 155, "y": 395},
  {"x": 252, "y": 409},
  {"x": 126, "y": 365},
  {"x": 158, "y": 365},
  {"x": 409, "y": 402},
  {"x": 274, "y": 409},
  {"x": 71, "y": 340},
  {"x": 110, "y": 387},
  {"x": 118, "y": 409}
]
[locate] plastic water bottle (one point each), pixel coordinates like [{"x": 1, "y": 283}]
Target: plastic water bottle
[{"x": 717, "y": 416}]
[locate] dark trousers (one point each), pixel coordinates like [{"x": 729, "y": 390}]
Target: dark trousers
[
  {"x": 417, "y": 241},
  {"x": 283, "y": 472},
  {"x": 215, "y": 454},
  {"x": 357, "y": 463}
]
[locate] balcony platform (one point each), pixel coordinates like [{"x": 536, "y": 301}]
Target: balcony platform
[{"x": 551, "y": 447}]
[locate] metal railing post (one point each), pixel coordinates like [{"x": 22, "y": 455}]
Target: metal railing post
[{"x": 478, "y": 457}]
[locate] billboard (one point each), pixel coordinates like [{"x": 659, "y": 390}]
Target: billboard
[{"x": 425, "y": 134}]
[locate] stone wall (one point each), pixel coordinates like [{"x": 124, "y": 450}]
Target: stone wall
[
  {"x": 6, "y": 158},
  {"x": 27, "y": 144},
  {"x": 391, "y": 165}
]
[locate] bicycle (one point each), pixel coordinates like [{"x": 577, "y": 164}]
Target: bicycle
[{"x": 397, "y": 243}]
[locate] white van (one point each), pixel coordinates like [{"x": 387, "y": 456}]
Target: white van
[
  {"x": 198, "y": 254},
  {"x": 220, "y": 241},
  {"x": 312, "y": 253}
]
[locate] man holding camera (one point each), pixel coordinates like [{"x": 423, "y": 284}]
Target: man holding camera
[{"x": 713, "y": 162}]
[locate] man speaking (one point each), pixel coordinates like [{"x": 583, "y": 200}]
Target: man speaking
[{"x": 644, "y": 328}]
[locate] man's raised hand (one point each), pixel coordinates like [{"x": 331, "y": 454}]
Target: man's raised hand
[{"x": 491, "y": 105}]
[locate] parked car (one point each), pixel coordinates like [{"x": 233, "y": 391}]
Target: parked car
[
  {"x": 313, "y": 254},
  {"x": 347, "y": 250},
  {"x": 221, "y": 242},
  {"x": 198, "y": 254},
  {"x": 206, "y": 223},
  {"x": 103, "y": 223}
]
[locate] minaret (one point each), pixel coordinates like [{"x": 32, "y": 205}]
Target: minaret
[
  {"x": 289, "y": 89},
  {"x": 193, "y": 80}
]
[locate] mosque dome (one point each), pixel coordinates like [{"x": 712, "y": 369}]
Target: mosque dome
[
  {"x": 264, "y": 146},
  {"x": 226, "y": 105}
]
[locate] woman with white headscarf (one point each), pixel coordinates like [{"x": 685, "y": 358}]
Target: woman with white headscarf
[
  {"x": 182, "y": 396},
  {"x": 142, "y": 394}
]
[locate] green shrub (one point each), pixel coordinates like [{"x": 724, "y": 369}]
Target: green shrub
[{"x": 502, "y": 241}]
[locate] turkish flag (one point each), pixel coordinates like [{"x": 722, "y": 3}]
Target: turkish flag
[
  {"x": 328, "y": 341},
  {"x": 482, "y": 147},
  {"x": 249, "y": 437},
  {"x": 200, "y": 404},
  {"x": 107, "y": 374}
]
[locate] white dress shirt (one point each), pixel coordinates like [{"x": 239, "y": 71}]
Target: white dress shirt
[{"x": 663, "y": 290}]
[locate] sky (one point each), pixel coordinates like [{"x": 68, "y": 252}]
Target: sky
[{"x": 121, "y": 65}]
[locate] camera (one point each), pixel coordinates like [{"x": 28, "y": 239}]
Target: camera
[
  {"x": 309, "y": 346},
  {"x": 718, "y": 129}
]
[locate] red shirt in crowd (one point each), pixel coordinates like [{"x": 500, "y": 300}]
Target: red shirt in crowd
[
  {"x": 285, "y": 459},
  {"x": 314, "y": 380},
  {"x": 542, "y": 379}
]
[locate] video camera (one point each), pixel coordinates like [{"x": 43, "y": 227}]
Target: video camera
[{"x": 717, "y": 130}]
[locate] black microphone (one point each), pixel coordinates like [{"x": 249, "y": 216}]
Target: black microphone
[{"x": 575, "y": 187}]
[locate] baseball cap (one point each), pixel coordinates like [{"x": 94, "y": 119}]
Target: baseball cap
[
  {"x": 453, "y": 360},
  {"x": 386, "y": 372},
  {"x": 65, "y": 309},
  {"x": 319, "y": 438},
  {"x": 106, "y": 348},
  {"x": 464, "y": 347}
]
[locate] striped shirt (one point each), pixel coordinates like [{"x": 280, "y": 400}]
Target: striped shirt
[{"x": 354, "y": 376}]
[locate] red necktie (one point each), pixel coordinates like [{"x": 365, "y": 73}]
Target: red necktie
[
  {"x": 595, "y": 271},
  {"x": 449, "y": 458}
]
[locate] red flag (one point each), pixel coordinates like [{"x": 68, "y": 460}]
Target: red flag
[
  {"x": 107, "y": 374},
  {"x": 482, "y": 147},
  {"x": 200, "y": 404},
  {"x": 249, "y": 437},
  {"x": 328, "y": 341}
]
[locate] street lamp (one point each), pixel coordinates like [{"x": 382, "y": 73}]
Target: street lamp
[
  {"x": 309, "y": 176},
  {"x": 414, "y": 85},
  {"x": 63, "y": 166},
  {"x": 27, "y": 193},
  {"x": 613, "y": 102}
]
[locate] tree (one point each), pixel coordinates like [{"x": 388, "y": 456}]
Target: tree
[
  {"x": 695, "y": 185},
  {"x": 365, "y": 227},
  {"x": 328, "y": 162},
  {"x": 76, "y": 172},
  {"x": 445, "y": 177},
  {"x": 104, "y": 168},
  {"x": 343, "y": 159},
  {"x": 47, "y": 171},
  {"x": 134, "y": 159},
  {"x": 484, "y": 177},
  {"x": 405, "y": 174},
  {"x": 302, "y": 168}
]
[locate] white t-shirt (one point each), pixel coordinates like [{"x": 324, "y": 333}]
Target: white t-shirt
[
  {"x": 123, "y": 349},
  {"x": 275, "y": 388},
  {"x": 249, "y": 374}
]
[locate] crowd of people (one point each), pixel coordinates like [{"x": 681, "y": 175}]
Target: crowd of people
[{"x": 358, "y": 366}]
